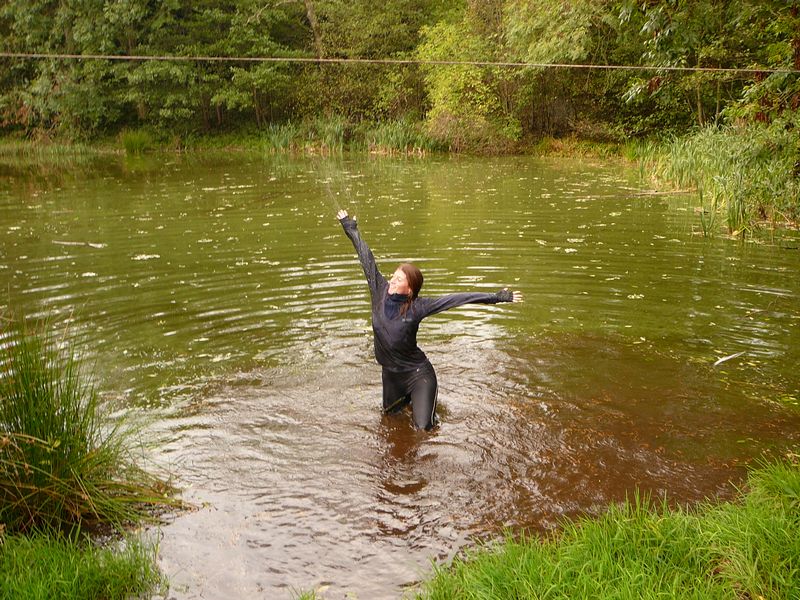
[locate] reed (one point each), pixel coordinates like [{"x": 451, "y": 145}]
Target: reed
[
  {"x": 748, "y": 172},
  {"x": 27, "y": 154},
  {"x": 38, "y": 566},
  {"x": 136, "y": 141},
  {"x": 327, "y": 135},
  {"x": 744, "y": 549},
  {"x": 281, "y": 138},
  {"x": 396, "y": 137},
  {"x": 63, "y": 466}
]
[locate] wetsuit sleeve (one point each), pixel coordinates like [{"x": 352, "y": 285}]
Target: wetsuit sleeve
[
  {"x": 431, "y": 306},
  {"x": 375, "y": 280}
]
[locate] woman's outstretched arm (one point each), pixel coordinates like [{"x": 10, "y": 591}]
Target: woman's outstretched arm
[
  {"x": 431, "y": 306},
  {"x": 375, "y": 280}
]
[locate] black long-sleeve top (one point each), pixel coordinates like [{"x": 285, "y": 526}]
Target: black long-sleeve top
[{"x": 395, "y": 335}]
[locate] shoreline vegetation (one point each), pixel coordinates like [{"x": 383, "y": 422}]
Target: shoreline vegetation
[
  {"x": 744, "y": 178},
  {"x": 71, "y": 490},
  {"x": 747, "y": 548}
]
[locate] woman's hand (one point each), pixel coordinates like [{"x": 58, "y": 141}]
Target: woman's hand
[
  {"x": 505, "y": 295},
  {"x": 342, "y": 214}
]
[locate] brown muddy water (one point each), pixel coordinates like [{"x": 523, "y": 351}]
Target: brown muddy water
[{"x": 220, "y": 303}]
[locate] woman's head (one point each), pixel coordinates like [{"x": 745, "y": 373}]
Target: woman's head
[{"x": 407, "y": 280}]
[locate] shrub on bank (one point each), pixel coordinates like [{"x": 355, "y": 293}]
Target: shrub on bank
[{"x": 63, "y": 467}]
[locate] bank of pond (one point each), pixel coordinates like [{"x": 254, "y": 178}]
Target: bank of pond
[{"x": 748, "y": 548}]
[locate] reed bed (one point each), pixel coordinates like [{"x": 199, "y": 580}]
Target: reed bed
[
  {"x": 137, "y": 141},
  {"x": 744, "y": 549},
  {"x": 397, "y": 138},
  {"x": 747, "y": 174},
  {"x": 316, "y": 136},
  {"x": 63, "y": 466},
  {"x": 335, "y": 135},
  {"x": 26, "y": 154}
]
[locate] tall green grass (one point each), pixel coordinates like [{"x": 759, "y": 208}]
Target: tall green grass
[
  {"x": 396, "y": 137},
  {"x": 43, "y": 567},
  {"x": 334, "y": 135},
  {"x": 63, "y": 466},
  {"x": 26, "y": 154},
  {"x": 136, "y": 141},
  {"x": 747, "y": 173},
  {"x": 744, "y": 549}
]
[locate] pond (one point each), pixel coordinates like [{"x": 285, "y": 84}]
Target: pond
[{"x": 218, "y": 300}]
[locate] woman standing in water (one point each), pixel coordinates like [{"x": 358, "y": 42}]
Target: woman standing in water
[{"x": 397, "y": 310}]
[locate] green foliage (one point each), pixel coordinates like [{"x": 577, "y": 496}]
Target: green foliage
[
  {"x": 61, "y": 466},
  {"x": 396, "y": 137},
  {"x": 335, "y": 135},
  {"x": 551, "y": 31},
  {"x": 466, "y": 110},
  {"x": 472, "y": 108},
  {"x": 750, "y": 548},
  {"x": 39, "y": 566}
]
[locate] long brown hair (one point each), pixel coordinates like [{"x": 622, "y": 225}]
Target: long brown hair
[{"x": 414, "y": 278}]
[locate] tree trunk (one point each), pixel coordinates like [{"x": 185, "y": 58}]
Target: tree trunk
[
  {"x": 699, "y": 101},
  {"x": 795, "y": 103},
  {"x": 257, "y": 107},
  {"x": 312, "y": 21}
]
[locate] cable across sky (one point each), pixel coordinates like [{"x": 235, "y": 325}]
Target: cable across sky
[{"x": 386, "y": 61}]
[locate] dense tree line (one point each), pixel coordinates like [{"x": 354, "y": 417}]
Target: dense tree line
[{"x": 468, "y": 106}]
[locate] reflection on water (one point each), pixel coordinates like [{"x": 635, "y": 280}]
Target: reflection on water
[{"x": 223, "y": 300}]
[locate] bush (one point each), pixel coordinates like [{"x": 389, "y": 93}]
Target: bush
[{"x": 61, "y": 466}]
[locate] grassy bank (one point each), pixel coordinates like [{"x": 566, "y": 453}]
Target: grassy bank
[
  {"x": 744, "y": 176},
  {"x": 749, "y": 548},
  {"x": 40, "y": 567},
  {"x": 66, "y": 473}
]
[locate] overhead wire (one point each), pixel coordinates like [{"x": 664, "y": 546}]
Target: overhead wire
[{"x": 388, "y": 61}]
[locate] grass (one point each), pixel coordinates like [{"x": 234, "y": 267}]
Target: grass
[
  {"x": 572, "y": 147},
  {"x": 62, "y": 465},
  {"x": 137, "y": 141},
  {"x": 321, "y": 135},
  {"x": 397, "y": 137},
  {"x": 25, "y": 154},
  {"x": 41, "y": 567},
  {"x": 334, "y": 135},
  {"x": 747, "y": 174},
  {"x": 734, "y": 550}
]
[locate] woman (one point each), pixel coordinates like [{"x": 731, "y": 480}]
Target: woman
[{"x": 397, "y": 310}]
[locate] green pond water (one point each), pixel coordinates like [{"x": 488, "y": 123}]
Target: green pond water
[{"x": 218, "y": 300}]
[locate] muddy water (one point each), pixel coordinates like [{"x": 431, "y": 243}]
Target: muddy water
[{"x": 219, "y": 302}]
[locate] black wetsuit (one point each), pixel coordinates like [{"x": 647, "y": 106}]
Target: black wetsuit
[{"x": 408, "y": 375}]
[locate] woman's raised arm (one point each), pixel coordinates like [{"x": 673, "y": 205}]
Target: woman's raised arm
[{"x": 375, "y": 280}]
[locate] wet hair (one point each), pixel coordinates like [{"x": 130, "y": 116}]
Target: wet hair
[{"x": 414, "y": 278}]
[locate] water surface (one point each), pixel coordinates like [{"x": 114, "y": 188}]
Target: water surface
[{"x": 219, "y": 300}]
